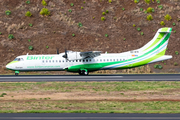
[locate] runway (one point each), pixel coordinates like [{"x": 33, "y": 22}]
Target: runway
[
  {"x": 87, "y": 116},
  {"x": 121, "y": 77}
]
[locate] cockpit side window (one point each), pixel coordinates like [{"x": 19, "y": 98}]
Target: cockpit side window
[{"x": 18, "y": 59}]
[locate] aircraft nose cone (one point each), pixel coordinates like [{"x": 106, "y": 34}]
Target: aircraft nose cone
[{"x": 8, "y": 66}]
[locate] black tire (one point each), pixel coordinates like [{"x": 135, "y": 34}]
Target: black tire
[
  {"x": 83, "y": 72},
  {"x": 86, "y": 73},
  {"x": 80, "y": 72},
  {"x": 16, "y": 74}
]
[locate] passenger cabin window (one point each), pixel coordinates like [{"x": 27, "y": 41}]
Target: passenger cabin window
[
  {"x": 86, "y": 60},
  {"x": 59, "y": 60}
]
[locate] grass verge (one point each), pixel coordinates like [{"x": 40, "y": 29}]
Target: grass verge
[{"x": 90, "y": 97}]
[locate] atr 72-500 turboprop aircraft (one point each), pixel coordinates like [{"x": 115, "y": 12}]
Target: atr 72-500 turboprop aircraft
[{"x": 85, "y": 62}]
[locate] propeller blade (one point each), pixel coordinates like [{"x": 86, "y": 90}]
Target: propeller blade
[
  {"x": 66, "y": 53},
  {"x": 65, "y": 56},
  {"x": 57, "y": 51}
]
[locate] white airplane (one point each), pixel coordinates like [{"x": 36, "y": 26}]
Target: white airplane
[{"x": 85, "y": 62}]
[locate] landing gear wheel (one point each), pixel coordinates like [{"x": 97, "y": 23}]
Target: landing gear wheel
[
  {"x": 80, "y": 72},
  {"x": 16, "y": 74},
  {"x": 86, "y": 72},
  {"x": 83, "y": 72}
]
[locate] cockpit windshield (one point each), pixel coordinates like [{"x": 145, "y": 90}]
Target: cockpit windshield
[{"x": 18, "y": 59}]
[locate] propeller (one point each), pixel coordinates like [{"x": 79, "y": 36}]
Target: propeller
[
  {"x": 65, "y": 56},
  {"x": 66, "y": 53}
]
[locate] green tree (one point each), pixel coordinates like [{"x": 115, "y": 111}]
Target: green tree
[
  {"x": 28, "y": 2},
  {"x": 103, "y": 13},
  {"x": 28, "y": 14},
  {"x": 10, "y": 36},
  {"x": 167, "y": 17},
  {"x": 150, "y": 9},
  {"x": 162, "y": 23},
  {"x": 8, "y": 12},
  {"x": 110, "y": 1},
  {"x": 148, "y": 1},
  {"x": 136, "y": 1},
  {"x": 149, "y": 17},
  {"x": 103, "y": 18},
  {"x": 44, "y": 3},
  {"x": 30, "y": 47},
  {"x": 45, "y": 12}
]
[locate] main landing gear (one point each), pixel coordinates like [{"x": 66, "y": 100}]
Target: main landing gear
[{"x": 83, "y": 72}]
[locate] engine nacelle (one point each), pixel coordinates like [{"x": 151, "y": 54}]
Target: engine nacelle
[{"x": 72, "y": 55}]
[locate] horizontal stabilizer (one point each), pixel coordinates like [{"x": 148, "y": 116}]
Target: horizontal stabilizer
[{"x": 162, "y": 58}]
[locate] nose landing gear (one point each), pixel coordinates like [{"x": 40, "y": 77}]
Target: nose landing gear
[
  {"x": 83, "y": 72},
  {"x": 16, "y": 73}
]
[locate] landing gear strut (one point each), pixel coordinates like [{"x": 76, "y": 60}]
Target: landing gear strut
[{"x": 83, "y": 72}]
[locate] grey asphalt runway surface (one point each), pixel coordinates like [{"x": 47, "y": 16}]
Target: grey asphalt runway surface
[
  {"x": 86, "y": 116},
  {"x": 131, "y": 77}
]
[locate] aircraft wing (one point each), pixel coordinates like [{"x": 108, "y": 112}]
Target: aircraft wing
[
  {"x": 90, "y": 54},
  {"x": 71, "y": 55}
]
